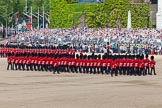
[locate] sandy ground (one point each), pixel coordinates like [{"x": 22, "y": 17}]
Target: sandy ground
[{"x": 22, "y": 89}]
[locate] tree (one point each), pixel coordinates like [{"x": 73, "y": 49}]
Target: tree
[{"x": 8, "y": 7}]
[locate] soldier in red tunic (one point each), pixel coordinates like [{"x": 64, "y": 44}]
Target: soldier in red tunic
[
  {"x": 73, "y": 62},
  {"x": 51, "y": 66},
  {"x": 108, "y": 62},
  {"x": 99, "y": 64},
  {"x": 91, "y": 64},
  {"x": 28, "y": 64},
  {"x": 132, "y": 65},
  {"x": 152, "y": 65},
  {"x": 9, "y": 60},
  {"x": 136, "y": 65},
  {"x": 56, "y": 63},
  {"x": 113, "y": 67},
  {"x": 147, "y": 64},
  {"x": 94, "y": 66},
  {"x": 77, "y": 63},
  {"x": 104, "y": 65},
  {"x": 84, "y": 63},
  {"x": 120, "y": 64},
  {"x": 88, "y": 64},
  {"x": 141, "y": 65}
]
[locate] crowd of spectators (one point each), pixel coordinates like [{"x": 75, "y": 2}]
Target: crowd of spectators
[{"x": 95, "y": 39}]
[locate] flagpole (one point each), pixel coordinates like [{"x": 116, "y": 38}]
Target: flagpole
[
  {"x": 6, "y": 24},
  {"x": 43, "y": 16},
  {"x": 31, "y": 17},
  {"x": 38, "y": 18},
  {"x": 26, "y": 6}
]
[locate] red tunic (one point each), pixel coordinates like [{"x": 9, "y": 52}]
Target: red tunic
[
  {"x": 20, "y": 60},
  {"x": 94, "y": 63},
  {"x": 9, "y": 59},
  {"x": 109, "y": 63},
  {"x": 80, "y": 62},
  {"x": 108, "y": 48},
  {"x": 146, "y": 62},
  {"x": 58, "y": 62},
  {"x": 128, "y": 62},
  {"x": 136, "y": 63},
  {"x": 84, "y": 62},
  {"x": 51, "y": 61},
  {"x": 152, "y": 64},
  {"x": 16, "y": 60},
  {"x": 125, "y": 63},
  {"x": 32, "y": 60},
  {"x": 104, "y": 63},
  {"x": 28, "y": 61},
  {"x": 73, "y": 61},
  {"x": 99, "y": 63},
  {"x": 120, "y": 63},
  {"x": 91, "y": 63},
  {"x": 24, "y": 60},
  {"x": 113, "y": 65},
  {"x": 47, "y": 61},
  {"x": 65, "y": 61},
  {"x": 141, "y": 64},
  {"x": 36, "y": 59},
  {"x": 77, "y": 63},
  {"x": 131, "y": 63},
  {"x": 55, "y": 62}
]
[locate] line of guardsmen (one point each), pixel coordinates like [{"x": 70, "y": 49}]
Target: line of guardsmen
[
  {"x": 18, "y": 50},
  {"x": 92, "y": 64}
]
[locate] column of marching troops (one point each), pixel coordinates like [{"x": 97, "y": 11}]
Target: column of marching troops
[{"x": 66, "y": 60}]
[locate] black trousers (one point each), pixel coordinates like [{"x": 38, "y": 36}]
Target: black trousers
[
  {"x": 87, "y": 69},
  {"x": 76, "y": 69},
  {"x": 16, "y": 66},
  {"x": 120, "y": 70},
  {"x": 113, "y": 71},
  {"x": 10, "y": 66},
  {"x": 72, "y": 68},
  {"x": 43, "y": 67},
  {"x": 103, "y": 70},
  {"x": 51, "y": 67},
  {"x": 84, "y": 69},
  {"x": 136, "y": 71},
  {"x": 147, "y": 70},
  {"x": 21, "y": 66},
  {"x": 131, "y": 71},
  {"x": 35, "y": 67},
  {"x": 141, "y": 71},
  {"x": 28, "y": 67},
  {"x": 80, "y": 69},
  {"x": 91, "y": 69},
  {"x": 56, "y": 69},
  {"x": 123, "y": 70},
  {"x": 108, "y": 70},
  {"x": 98, "y": 70},
  {"x": 152, "y": 70}
]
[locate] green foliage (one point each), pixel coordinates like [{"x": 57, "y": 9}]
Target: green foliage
[
  {"x": 72, "y": 1},
  {"x": 111, "y": 13},
  {"x": 8, "y": 7}
]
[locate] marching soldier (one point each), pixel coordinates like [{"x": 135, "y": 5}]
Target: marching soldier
[
  {"x": 152, "y": 65},
  {"x": 113, "y": 68},
  {"x": 141, "y": 66},
  {"x": 9, "y": 60},
  {"x": 147, "y": 64}
]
